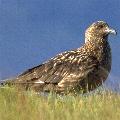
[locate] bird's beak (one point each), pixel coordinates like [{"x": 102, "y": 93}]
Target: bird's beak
[{"x": 111, "y": 31}]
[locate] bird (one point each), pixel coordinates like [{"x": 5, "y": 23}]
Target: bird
[{"x": 81, "y": 69}]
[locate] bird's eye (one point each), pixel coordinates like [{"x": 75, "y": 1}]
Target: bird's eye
[{"x": 101, "y": 26}]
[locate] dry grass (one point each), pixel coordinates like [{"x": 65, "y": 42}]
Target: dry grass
[{"x": 16, "y": 105}]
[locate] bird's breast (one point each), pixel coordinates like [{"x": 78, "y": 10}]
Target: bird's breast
[{"x": 105, "y": 57}]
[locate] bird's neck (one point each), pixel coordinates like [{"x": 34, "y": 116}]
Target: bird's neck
[
  {"x": 96, "y": 38},
  {"x": 100, "y": 48},
  {"x": 97, "y": 43}
]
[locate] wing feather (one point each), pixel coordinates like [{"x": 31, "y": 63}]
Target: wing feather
[{"x": 64, "y": 70}]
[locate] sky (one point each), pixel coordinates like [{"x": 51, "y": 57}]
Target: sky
[{"x": 32, "y": 31}]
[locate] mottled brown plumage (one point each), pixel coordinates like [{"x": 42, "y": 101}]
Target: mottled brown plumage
[{"x": 83, "y": 69}]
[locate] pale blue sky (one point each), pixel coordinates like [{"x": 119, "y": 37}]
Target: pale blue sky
[{"x": 32, "y": 31}]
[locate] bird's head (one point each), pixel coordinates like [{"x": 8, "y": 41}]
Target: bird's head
[{"x": 99, "y": 30}]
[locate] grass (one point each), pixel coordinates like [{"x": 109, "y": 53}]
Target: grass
[{"x": 21, "y": 105}]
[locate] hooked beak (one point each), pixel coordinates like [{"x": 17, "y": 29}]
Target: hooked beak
[{"x": 111, "y": 31}]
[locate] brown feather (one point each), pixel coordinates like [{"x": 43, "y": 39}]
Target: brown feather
[{"x": 84, "y": 68}]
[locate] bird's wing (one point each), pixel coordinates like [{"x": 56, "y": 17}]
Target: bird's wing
[{"x": 64, "y": 69}]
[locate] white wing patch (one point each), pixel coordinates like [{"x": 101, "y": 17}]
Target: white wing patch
[{"x": 39, "y": 82}]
